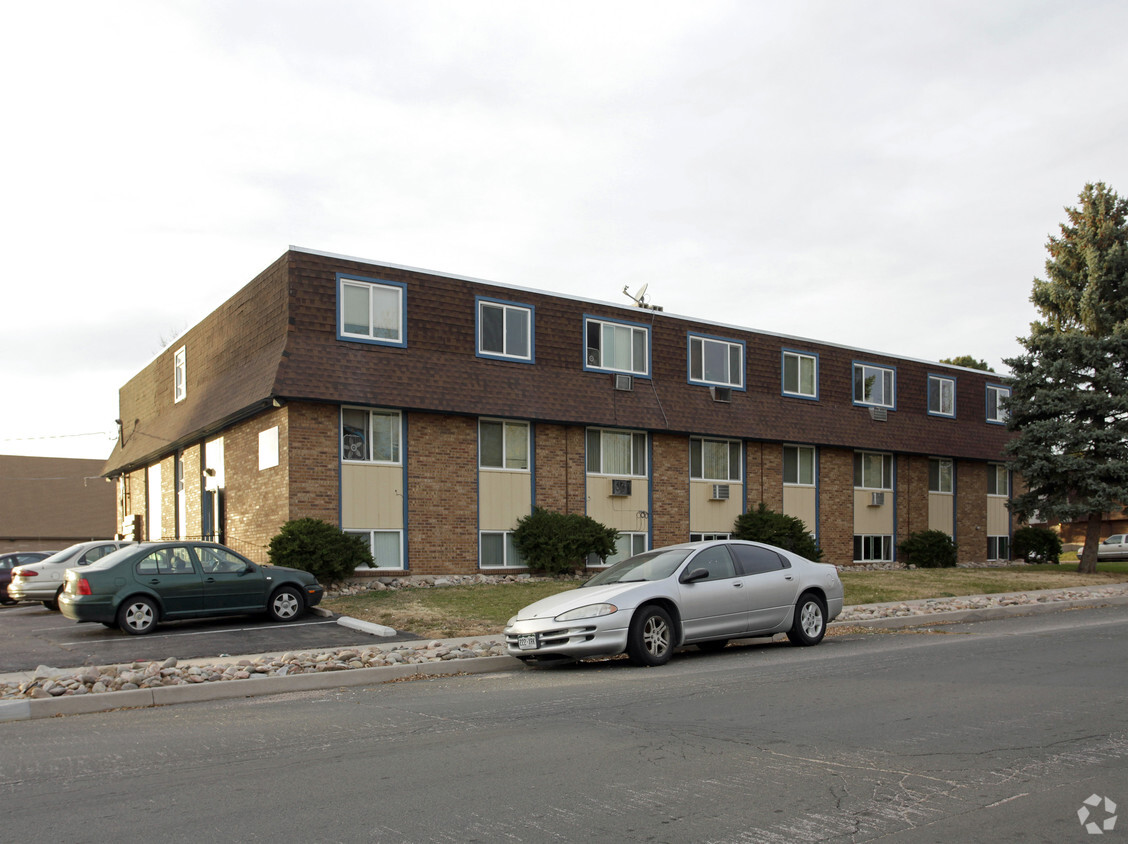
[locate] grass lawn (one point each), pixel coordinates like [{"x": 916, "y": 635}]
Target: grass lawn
[{"x": 452, "y": 611}]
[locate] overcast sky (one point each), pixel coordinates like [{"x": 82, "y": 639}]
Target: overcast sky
[{"x": 875, "y": 174}]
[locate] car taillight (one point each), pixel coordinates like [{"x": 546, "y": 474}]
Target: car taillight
[
  {"x": 84, "y": 587},
  {"x": 26, "y": 573}
]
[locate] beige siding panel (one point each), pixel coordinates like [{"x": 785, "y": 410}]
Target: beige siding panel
[
  {"x": 619, "y": 511},
  {"x": 998, "y": 516},
  {"x": 800, "y": 502},
  {"x": 503, "y": 498},
  {"x": 870, "y": 519},
  {"x": 708, "y": 516},
  {"x": 940, "y": 512},
  {"x": 371, "y": 497}
]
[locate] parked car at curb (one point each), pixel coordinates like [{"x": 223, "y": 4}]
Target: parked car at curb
[
  {"x": 14, "y": 559},
  {"x": 135, "y": 588},
  {"x": 1113, "y": 548},
  {"x": 701, "y": 593},
  {"x": 43, "y": 581}
]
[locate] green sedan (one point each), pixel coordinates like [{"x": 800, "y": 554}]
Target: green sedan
[{"x": 140, "y": 585}]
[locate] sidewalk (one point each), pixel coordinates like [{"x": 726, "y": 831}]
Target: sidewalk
[{"x": 144, "y": 684}]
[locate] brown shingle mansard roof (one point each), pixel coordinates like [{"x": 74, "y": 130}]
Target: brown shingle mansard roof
[{"x": 277, "y": 339}]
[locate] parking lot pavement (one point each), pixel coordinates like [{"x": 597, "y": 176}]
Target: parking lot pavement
[{"x": 34, "y": 635}]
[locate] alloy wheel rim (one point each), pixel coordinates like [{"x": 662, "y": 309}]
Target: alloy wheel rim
[
  {"x": 811, "y": 618},
  {"x": 139, "y": 616},
  {"x": 285, "y": 605},
  {"x": 656, "y": 636}
]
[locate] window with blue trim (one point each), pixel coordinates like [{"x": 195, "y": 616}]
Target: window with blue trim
[
  {"x": 716, "y": 362},
  {"x": 874, "y": 385},
  {"x": 370, "y": 310},
  {"x": 800, "y": 375},
  {"x": 505, "y": 330},
  {"x": 941, "y": 395},
  {"x": 996, "y": 403},
  {"x": 617, "y": 346}
]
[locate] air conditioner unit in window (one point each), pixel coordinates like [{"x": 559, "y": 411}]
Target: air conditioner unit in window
[
  {"x": 624, "y": 383},
  {"x": 593, "y": 357},
  {"x": 720, "y": 492},
  {"x": 879, "y": 414},
  {"x": 877, "y": 499},
  {"x": 721, "y": 393},
  {"x": 620, "y": 486}
]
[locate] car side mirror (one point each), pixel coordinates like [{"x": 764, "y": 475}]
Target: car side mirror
[{"x": 696, "y": 575}]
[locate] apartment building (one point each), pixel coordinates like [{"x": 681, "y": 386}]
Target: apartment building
[{"x": 430, "y": 412}]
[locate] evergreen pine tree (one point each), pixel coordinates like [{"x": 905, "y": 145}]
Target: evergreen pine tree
[{"x": 1069, "y": 397}]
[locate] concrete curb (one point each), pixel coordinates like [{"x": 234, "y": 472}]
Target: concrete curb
[{"x": 24, "y": 710}]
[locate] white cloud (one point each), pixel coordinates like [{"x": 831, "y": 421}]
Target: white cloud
[{"x": 878, "y": 174}]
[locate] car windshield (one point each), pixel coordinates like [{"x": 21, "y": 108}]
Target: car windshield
[
  {"x": 651, "y": 565},
  {"x": 62, "y": 555}
]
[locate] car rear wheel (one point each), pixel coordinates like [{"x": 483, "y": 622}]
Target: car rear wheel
[
  {"x": 809, "y": 625},
  {"x": 650, "y": 641},
  {"x": 137, "y": 616},
  {"x": 285, "y": 604}
]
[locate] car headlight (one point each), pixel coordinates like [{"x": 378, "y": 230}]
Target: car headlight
[
  {"x": 590, "y": 611},
  {"x": 511, "y": 622}
]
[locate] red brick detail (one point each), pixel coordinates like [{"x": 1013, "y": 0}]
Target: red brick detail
[
  {"x": 912, "y": 496},
  {"x": 669, "y": 484},
  {"x": 442, "y": 493},
  {"x": 560, "y": 482},
  {"x": 314, "y": 462},
  {"x": 971, "y": 511},
  {"x": 836, "y": 505}
]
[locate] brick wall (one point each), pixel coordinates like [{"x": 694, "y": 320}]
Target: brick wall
[
  {"x": 912, "y": 496},
  {"x": 971, "y": 511},
  {"x": 669, "y": 516},
  {"x": 771, "y": 469},
  {"x": 315, "y": 467},
  {"x": 442, "y": 493},
  {"x": 559, "y": 462},
  {"x": 836, "y": 505},
  {"x": 754, "y": 474},
  {"x": 255, "y": 502}
]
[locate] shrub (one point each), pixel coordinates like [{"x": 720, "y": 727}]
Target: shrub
[
  {"x": 772, "y": 528},
  {"x": 554, "y": 543},
  {"x": 1037, "y": 545},
  {"x": 929, "y": 549},
  {"x": 325, "y": 551}
]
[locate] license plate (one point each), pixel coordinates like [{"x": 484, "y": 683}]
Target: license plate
[{"x": 527, "y": 643}]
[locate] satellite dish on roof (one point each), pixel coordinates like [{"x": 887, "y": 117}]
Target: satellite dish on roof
[{"x": 640, "y": 297}]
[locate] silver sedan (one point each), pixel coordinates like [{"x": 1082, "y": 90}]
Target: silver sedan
[{"x": 699, "y": 593}]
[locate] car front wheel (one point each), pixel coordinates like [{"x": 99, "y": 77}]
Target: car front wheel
[
  {"x": 285, "y": 604},
  {"x": 809, "y": 626},
  {"x": 650, "y": 641},
  {"x": 137, "y": 616}
]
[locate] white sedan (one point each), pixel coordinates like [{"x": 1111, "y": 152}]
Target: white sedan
[{"x": 699, "y": 593}]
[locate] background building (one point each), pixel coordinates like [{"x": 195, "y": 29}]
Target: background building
[
  {"x": 49, "y": 503},
  {"x": 429, "y": 412}
]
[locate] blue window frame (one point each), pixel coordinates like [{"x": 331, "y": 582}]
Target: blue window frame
[
  {"x": 941, "y": 395},
  {"x": 800, "y": 374},
  {"x": 997, "y": 396},
  {"x": 616, "y": 346},
  {"x": 371, "y": 310},
  {"x": 505, "y": 330},
  {"x": 715, "y": 361},
  {"x": 875, "y": 385}
]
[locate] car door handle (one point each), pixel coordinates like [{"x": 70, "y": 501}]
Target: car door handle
[
  {"x": 155, "y": 581},
  {"x": 788, "y": 577},
  {"x": 738, "y": 584}
]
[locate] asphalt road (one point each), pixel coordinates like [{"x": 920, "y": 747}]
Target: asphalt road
[
  {"x": 33, "y": 636},
  {"x": 995, "y": 731}
]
